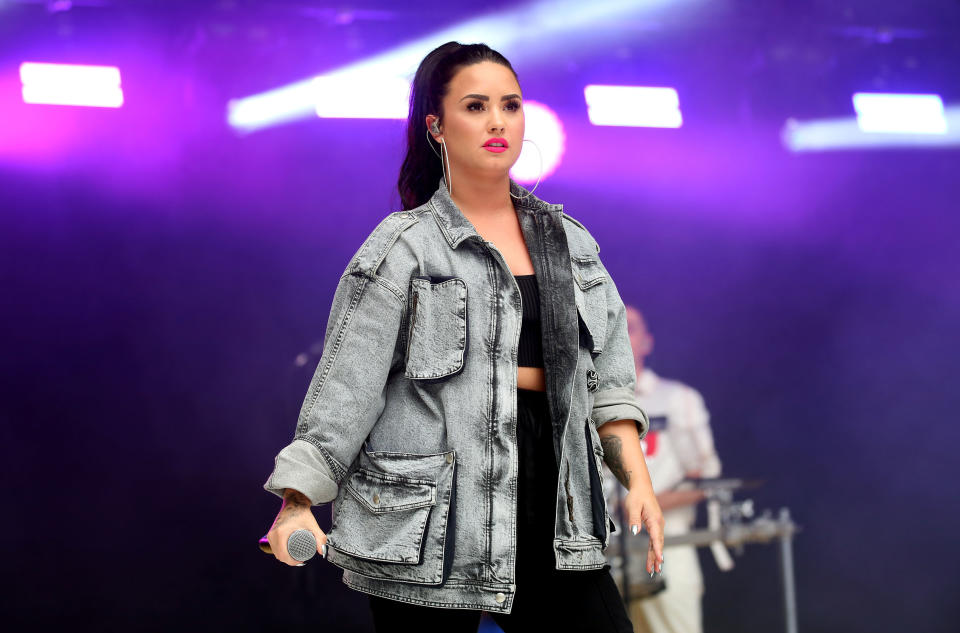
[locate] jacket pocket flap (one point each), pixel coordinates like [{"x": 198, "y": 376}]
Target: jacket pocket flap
[
  {"x": 393, "y": 508},
  {"x": 389, "y": 493},
  {"x": 587, "y": 271}
]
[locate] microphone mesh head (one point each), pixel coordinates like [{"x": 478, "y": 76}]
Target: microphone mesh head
[{"x": 302, "y": 545}]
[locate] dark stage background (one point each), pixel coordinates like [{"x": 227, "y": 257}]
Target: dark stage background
[{"x": 166, "y": 284}]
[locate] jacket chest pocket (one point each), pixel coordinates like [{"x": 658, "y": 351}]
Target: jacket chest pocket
[
  {"x": 436, "y": 327},
  {"x": 590, "y": 294}
]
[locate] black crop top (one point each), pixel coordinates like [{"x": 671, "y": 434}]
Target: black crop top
[{"x": 530, "y": 351}]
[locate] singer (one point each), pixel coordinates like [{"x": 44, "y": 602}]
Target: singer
[{"x": 476, "y": 373}]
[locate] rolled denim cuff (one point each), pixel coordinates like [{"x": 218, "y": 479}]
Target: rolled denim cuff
[
  {"x": 619, "y": 403},
  {"x": 300, "y": 466}
]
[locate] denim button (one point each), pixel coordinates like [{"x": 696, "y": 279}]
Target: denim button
[
  {"x": 593, "y": 380},
  {"x": 500, "y": 597},
  {"x": 449, "y": 458},
  {"x": 376, "y": 499}
]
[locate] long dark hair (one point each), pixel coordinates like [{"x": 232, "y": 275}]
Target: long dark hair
[{"x": 421, "y": 169}]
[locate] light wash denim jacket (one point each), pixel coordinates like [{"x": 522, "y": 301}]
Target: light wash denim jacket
[{"x": 409, "y": 423}]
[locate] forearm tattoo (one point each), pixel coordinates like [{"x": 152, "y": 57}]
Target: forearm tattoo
[
  {"x": 613, "y": 456},
  {"x": 295, "y": 498},
  {"x": 294, "y": 502}
]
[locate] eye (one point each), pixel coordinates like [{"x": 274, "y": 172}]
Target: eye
[{"x": 512, "y": 106}]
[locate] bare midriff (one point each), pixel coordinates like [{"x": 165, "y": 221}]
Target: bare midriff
[{"x": 531, "y": 378}]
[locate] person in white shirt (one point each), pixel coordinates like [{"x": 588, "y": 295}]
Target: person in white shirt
[{"x": 679, "y": 445}]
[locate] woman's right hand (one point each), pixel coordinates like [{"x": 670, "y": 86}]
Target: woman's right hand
[{"x": 295, "y": 514}]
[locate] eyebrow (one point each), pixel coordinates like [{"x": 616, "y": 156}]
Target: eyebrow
[{"x": 486, "y": 98}]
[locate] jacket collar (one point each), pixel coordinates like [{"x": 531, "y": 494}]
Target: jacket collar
[{"x": 456, "y": 227}]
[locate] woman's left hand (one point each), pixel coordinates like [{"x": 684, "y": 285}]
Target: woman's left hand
[
  {"x": 643, "y": 510},
  {"x": 624, "y": 455}
]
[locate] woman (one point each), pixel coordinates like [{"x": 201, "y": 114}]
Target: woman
[{"x": 476, "y": 370}]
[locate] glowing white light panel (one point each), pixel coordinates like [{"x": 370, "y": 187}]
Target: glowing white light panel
[
  {"x": 352, "y": 97},
  {"x": 900, "y": 113},
  {"x": 71, "y": 85},
  {"x": 635, "y": 106},
  {"x": 847, "y": 133}
]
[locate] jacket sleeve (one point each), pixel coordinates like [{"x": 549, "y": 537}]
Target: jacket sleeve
[
  {"x": 615, "y": 398},
  {"x": 347, "y": 392}
]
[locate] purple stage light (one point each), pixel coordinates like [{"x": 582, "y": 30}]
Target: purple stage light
[
  {"x": 71, "y": 84},
  {"x": 635, "y": 106},
  {"x": 900, "y": 113},
  {"x": 543, "y": 127}
]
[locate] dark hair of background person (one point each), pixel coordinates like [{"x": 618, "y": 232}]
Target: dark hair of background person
[{"x": 421, "y": 169}]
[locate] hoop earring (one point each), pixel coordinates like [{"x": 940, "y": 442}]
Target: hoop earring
[
  {"x": 540, "y": 155},
  {"x": 448, "y": 173}
]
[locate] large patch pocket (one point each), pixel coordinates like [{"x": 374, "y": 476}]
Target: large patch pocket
[
  {"x": 436, "y": 327},
  {"x": 591, "y": 297},
  {"x": 390, "y": 516}
]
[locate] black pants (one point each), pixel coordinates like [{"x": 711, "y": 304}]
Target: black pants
[{"x": 547, "y": 599}]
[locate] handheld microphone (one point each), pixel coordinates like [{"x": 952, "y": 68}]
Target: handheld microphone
[{"x": 301, "y": 545}]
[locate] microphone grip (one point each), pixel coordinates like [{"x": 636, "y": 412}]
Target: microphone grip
[{"x": 302, "y": 545}]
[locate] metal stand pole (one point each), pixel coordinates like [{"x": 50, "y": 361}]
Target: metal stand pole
[{"x": 786, "y": 568}]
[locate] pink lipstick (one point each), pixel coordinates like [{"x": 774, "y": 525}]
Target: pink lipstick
[{"x": 497, "y": 145}]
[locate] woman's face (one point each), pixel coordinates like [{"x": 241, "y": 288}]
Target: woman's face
[{"x": 483, "y": 102}]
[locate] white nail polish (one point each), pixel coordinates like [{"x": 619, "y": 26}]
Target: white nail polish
[{"x": 634, "y": 529}]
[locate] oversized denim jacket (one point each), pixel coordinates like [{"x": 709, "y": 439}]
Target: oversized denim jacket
[{"x": 409, "y": 423}]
